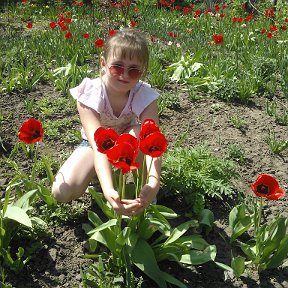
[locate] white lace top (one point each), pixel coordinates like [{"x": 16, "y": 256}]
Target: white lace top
[{"x": 92, "y": 93}]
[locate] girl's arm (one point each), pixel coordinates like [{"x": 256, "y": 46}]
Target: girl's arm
[{"x": 90, "y": 122}]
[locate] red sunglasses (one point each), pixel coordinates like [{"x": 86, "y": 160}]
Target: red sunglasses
[{"x": 118, "y": 70}]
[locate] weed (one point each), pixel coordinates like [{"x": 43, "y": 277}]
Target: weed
[
  {"x": 168, "y": 100},
  {"x": 236, "y": 153},
  {"x": 196, "y": 174},
  {"x": 276, "y": 146},
  {"x": 238, "y": 122}
]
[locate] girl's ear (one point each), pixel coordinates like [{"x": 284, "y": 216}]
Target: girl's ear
[{"x": 102, "y": 62}]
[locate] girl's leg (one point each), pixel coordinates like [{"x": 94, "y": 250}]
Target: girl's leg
[{"x": 75, "y": 175}]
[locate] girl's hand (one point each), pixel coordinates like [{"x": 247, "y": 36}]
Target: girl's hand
[
  {"x": 124, "y": 207},
  {"x": 147, "y": 195}
]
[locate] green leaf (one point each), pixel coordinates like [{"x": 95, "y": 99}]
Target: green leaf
[
  {"x": 143, "y": 257},
  {"x": 94, "y": 218},
  {"x": 172, "y": 280},
  {"x": 224, "y": 266},
  {"x": 107, "y": 238},
  {"x": 19, "y": 215},
  {"x": 38, "y": 221},
  {"x": 280, "y": 255},
  {"x": 45, "y": 194},
  {"x": 98, "y": 197},
  {"x": 238, "y": 265},
  {"x": 180, "y": 230},
  {"x": 166, "y": 212},
  {"x": 206, "y": 218},
  {"x": 194, "y": 241},
  {"x": 123, "y": 236},
  {"x": 199, "y": 257},
  {"x": 21, "y": 202},
  {"x": 240, "y": 227},
  {"x": 86, "y": 227},
  {"x": 272, "y": 234},
  {"x": 249, "y": 250},
  {"x": 237, "y": 213},
  {"x": 151, "y": 225},
  {"x": 104, "y": 226},
  {"x": 171, "y": 252},
  {"x": 177, "y": 74}
]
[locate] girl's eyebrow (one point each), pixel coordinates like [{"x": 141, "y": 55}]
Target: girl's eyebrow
[{"x": 119, "y": 63}]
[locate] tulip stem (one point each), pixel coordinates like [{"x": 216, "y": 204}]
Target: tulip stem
[
  {"x": 122, "y": 184},
  {"x": 148, "y": 172},
  {"x": 142, "y": 175},
  {"x": 258, "y": 218}
]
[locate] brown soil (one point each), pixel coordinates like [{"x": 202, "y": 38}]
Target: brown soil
[{"x": 59, "y": 263}]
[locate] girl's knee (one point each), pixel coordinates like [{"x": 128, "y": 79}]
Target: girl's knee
[
  {"x": 64, "y": 192},
  {"x": 61, "y": 194}
]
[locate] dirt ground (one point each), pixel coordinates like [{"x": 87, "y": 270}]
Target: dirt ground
[{"x": 59, "y": 263}]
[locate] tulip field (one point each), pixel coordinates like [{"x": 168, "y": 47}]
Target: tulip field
[{"x": 221, "y": 68}]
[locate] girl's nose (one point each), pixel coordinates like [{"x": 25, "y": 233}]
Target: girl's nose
[{"x": 126, "y": 73}]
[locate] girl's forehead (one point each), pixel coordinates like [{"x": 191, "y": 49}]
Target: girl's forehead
[
  {"x": 118, "y": 54},
  {"x": 129, "y": 60}
]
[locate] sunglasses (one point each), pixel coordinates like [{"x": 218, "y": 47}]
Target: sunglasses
[{"x": 118, "y": 70}]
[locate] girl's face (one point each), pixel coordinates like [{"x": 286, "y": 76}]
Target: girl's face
[{"x": 121, "y": 74}]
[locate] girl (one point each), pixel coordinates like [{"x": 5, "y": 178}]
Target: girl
[{"x": 118, "y": 99}]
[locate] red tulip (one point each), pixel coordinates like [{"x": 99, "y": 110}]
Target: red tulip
[
  {"x": 123, "y": 157},
  {"x": 99, "y": 43},
  {"x": 68, "y": 35},
  {"x": 268, "y": 187},
  {"x": 105, "y": 139},
  {"x": 154, "y": 145},
  {"x": 86, "y": 35},
  {"x": 148, "y": 126},
  {"x": 126, "y": 137},
  {"x": 112, "y": 33},
  {"x": 269, "y": 35},
  {"x": 52, "y": 25},
  {"x": 218, "y": 39},
  {"x": 133, "y": 23},
  {"x": 31, "y": 131},
  {"x": 29, "y": 25}
]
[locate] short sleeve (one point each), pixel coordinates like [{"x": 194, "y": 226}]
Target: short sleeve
[
  {"x": 89, "y": 93},
  {"x": 144, "y": 96}
]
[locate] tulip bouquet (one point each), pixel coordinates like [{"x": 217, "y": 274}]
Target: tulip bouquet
[
  {"x": 268, "y": 245},
  {"x": 121, "y": 151}
]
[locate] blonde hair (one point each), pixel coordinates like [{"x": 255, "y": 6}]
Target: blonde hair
[{"x": 128, "y": 43}]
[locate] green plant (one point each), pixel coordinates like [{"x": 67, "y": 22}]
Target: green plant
[
  {"x": 157, "y": 76},
  {"x": 126, "y": 239},
  {"x": 187, "y": 68},
  {"x": 238, "y": 122},
  {"x": 13, "y": 217},
  {"x": 69, "y": 75},
  {"x": 267, "y": 248},
  {"x": 56, "y": 129},
  {"x": 271, "y": 107},
  {"x": 236, "y": 153},
  {"x": 276, "y": 146},
  {"x": 168, "y": 100},
  {"x": 282, "y": 119},
  {"x": 48, "y": 105},
  {"x": 102, "y": 274},
  {"x": 196, "y": 174}
]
